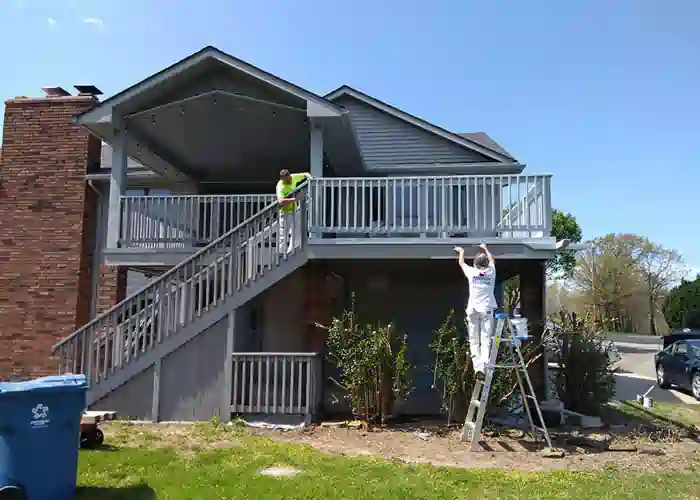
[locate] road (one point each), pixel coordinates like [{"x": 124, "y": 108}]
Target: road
[{"x": 639, "y": 374}]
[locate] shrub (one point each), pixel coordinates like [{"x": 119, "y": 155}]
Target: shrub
[
  {"x": 586, "y": 378},
  {"x": 373, "y": 364},
  {"x": 453, "y": 373}
]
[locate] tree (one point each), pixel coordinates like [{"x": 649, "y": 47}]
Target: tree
[
  {"x": 682, "y": 306},
  {"x": 564, "y": 227},
  {"x": 623, "y": 275},
  {"x": 607, "y": 274},
  {"x": 660, "y": 269}
]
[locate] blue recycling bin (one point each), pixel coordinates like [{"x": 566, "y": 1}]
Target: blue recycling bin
[{"x": 40, "y": 436}]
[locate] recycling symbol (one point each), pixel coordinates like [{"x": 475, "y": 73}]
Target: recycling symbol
[{"x": 40, "y": 411}]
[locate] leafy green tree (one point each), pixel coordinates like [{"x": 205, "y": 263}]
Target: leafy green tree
[
  {"x": 682, "y": 307},
  {"x": 564, "y": 226},
  {"x": 660, "y": 269}
]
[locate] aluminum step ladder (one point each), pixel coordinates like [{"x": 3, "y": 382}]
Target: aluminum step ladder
[{"x": 480, "y": 395}]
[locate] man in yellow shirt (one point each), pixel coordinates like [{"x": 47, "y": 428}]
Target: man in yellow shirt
[{"x": 287, "y": 230}]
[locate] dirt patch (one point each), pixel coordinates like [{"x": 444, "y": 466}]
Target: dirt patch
[
  {"x": 436, "y": 444},
  {"x": 441, "y": 446},
  {"x": 187, "y": 438}
]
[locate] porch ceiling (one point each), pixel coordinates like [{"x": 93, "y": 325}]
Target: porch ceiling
[
  {"x": 256, "y": 127},
  {"x": 216, "y": 133}
]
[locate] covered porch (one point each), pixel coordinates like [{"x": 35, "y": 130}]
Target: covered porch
[{"x": 222, "y": 126}]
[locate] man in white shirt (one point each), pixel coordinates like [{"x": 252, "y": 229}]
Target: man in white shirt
[{"x": 481, "y": 304}]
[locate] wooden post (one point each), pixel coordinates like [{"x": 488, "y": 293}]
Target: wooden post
[
  {"x": 155, "y": 408},
  {"x": 532, "y": 304},
  {"x": 228, "y": 369}
]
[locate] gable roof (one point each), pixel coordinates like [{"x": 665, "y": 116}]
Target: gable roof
[
  {"x": 485, "y": 139},
  {"x": 463, "y": 141},
  {"x": 209, "y": 52}
]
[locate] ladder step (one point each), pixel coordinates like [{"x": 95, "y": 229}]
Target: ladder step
[
  {"x": 469, "y": 425},
  {"x": 476, "y": 403}
]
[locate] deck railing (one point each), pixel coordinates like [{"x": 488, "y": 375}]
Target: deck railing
[
  {"x": 184, "y": 221},
  {"x": 268, "y": 382},
  {"x": 505, "y": 206},
  {"x": 486, "y": 205},
  {"x": 178, "y": 298}
]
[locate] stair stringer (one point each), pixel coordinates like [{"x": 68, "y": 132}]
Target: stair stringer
[{"x": 191, "y": 330}]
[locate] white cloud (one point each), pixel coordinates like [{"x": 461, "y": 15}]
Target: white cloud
[
  {"x": 94, "y": 20},
  {"x": 51, "y": 21}
]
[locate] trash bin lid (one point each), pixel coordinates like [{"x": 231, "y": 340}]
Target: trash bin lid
[{"x": 55, "y": 383}]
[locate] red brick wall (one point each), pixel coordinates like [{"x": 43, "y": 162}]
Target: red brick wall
[
  {"x": 111, "y": 287},
  {"x": 48, "y": 215}
]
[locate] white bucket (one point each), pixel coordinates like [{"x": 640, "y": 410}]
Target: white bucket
[
  {"x": 520, "y": 325},
  {"x": 648, "y": 403}
]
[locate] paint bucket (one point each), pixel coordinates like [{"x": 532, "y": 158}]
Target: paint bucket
[
  {"x": 648, "y": 402},
  {"x": 640, "y": 398},
  {"x": 520, "y": 325}
]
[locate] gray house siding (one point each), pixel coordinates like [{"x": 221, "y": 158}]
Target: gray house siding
[
  {"x": 416, "y": 297},
  {"x": 217, "y": 76},
  {"x": 191, "y": 385},
  {"x": 387, "y": 141},
  {"x": 131, "y": 401},
  {"x": 192, "y": 377}
]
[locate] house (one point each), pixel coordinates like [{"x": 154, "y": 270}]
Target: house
[{"x": 171, "y": 184}]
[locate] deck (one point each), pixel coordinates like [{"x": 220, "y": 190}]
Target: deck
[{"x": 401, "y": 217}]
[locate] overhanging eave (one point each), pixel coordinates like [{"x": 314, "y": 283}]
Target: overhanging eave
[{"x": 316, "y": 106}]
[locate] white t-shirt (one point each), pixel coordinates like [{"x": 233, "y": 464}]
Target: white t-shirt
[{"x": 481, "y": 288}]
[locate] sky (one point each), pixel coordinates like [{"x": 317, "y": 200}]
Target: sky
[{"x": 603, "y": 95}]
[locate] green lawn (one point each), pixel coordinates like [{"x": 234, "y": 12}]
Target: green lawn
[
  {"x": 224, "y": 463},
  {"x": 680, "y": 415}
]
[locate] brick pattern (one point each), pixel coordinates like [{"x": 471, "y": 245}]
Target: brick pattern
[
  {"x": 47, "y": 238},
  {"x": 111, "y": 287}
]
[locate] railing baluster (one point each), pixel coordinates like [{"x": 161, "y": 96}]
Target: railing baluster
[{"x": 274, "y": 382}]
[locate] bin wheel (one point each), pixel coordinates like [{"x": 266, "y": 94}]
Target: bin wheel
[
  {"x": 99, "y": 437},
  {"x": 13, "y": 493},
  {"x": 90, "y": 439}
]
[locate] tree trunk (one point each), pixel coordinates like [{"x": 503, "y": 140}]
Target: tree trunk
[{"x": 652, "y": 307}]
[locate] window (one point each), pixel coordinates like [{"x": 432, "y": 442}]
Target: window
[
  {"x": 680, "y": 349},
  {"x": 694, "y": 351}
]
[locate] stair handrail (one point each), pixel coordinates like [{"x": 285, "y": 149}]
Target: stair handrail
[{"x": 173, "y": 270}]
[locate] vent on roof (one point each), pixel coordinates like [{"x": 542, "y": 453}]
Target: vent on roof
[
  {"x": 55, "y": 92},
  {"x": 87, "y": 90}
]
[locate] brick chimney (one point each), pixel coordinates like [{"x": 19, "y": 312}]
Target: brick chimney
[{"x": 48, "y": 215}]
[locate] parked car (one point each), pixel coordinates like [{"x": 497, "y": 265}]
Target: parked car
[{"x": 678, "y": 364}]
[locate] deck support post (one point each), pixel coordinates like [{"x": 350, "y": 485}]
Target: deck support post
[
  {"x": 228, "y": 369},
  {"x": 155, "y": 408},
  {"x": 117, "y": 185}
]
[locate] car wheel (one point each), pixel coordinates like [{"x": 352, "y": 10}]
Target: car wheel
[
  {"x": 695, "y": 385},
  {"x": 661, "y": 378}
]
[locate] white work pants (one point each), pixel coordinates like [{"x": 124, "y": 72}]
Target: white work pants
[
  {"x": 480, "y": 327},
  {"x": 288, "y": 235}
]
